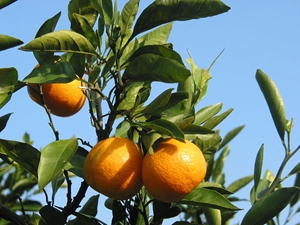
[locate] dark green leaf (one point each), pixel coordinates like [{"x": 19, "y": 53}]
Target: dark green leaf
[
  {"x": 75, "y": 165},
  {"x": 230, "y": 135},
  {"x": 274, "y": 101},
  {"x": 262, "y": 186},
  {"x": 61, "y": 41},
  {"x": 239, "y": 184},
  {"x": 214, "y": 121},
  {"x": 47, "y": 27},
  {"x": 23, "y": 154},
  {"x": 268, "y": 207},
  {"x": 208, "y": 144},
  {"x": 23, "y": 185},
  {"x": 216, "y": 187},
  {"x": 55, "y": 69},
  {"x": 161, "y": 12},
  {"x": 4, "y": 3},
  {"x": 208, "y": 198},
  {"x": 160, "y": 50},
  {"x": 52, "y": 216},
  {"x": 163, "y": 127},
  {"x": 258, "y": 166},
  {"x": 212, "y": 216},
  {"x": 8, "y": 81},
  {"x": 296, "y": 198},
  {"x": 54, "y": 158},
  {"x": 56, "y": 184},
  {"x": 7, "y": 42},
  {"x": 29, "y": 205},
  {"x": 152, "y": 67},
  {"x": 3, "y": 121},
  {"x": 206, "y": 113},
  {"x": 84, "y": 8},
  {"x": 295, "y": 170},
  {"x": 130, "y": 95}
]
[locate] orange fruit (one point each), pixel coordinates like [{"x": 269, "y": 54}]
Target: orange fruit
[
  {"x": 62, "y": 99},
  {"x": 113, "y": 168},
  {"x": 174, "y": 170}
]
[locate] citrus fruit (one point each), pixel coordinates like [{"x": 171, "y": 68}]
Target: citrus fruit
[
  {"x": 62, "y": 99},
  {"x": 174, "y": 170},
  {"x": 113, "y": 168}
]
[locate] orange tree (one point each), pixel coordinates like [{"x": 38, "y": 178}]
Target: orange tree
[{"x": 118, "y": 56}]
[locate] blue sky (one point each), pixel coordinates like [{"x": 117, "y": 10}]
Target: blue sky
[{"x": 256, "y": 34}]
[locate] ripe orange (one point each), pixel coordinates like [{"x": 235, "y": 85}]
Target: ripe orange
[
  {"x": 174, "y": 170},
  {"x": 63, "y": 99},
  {"x": 113, "y": 168}
]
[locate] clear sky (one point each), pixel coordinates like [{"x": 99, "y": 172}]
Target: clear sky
[{"x": 255, "y": 34}]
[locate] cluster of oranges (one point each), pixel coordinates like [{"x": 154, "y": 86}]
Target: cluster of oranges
[{"x": 117, "y": 168}]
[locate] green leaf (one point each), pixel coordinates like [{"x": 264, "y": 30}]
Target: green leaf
[
  {"x": 295, "y": 170},
  {"x": 219, "y": 165},
  {"x": 47, "y": 27},
  {"x": 56, "y": 184},
  {"x": 4, "y": 3},
  {"x": 216, "y": 187},
  {"x": 130, "y": 96},
  {"x": 230, "y": 135},
  {"x": 3, "y": 121},
  {"x": 61, "y": 41},
  {"x": 206, "y": 113},
  {"x": 163, "y": 127},
  {"x": 7, "y": 42},
  {"x": 258, "y": 166},
  {"x": 128, "y": 15},
  {"x": 55, "y": 69},
  {"x": 212, "y": 216},
  {"x": 54, "y": 158},
  {"x": 161, "y": 12},
  {"x": 105, "y": 9},
  {"x": 239, "y": 184},
  {"x": 152, "y": 67},
  {"x": 82, "y": 26},
  {"x": 84, "y": 8},
  {"x": 159, "y": 102},
  {"x": 274, "y": 101},
  {"x": 208, "y": 198},
  {"x": 52, "y": 216},
  {"x": 296, "y": 198},
  {"x": 214, "y": 121},
  {"x": 268, "y": 207},
  {"x": 24, "y": 154},
  {"x": 192, "y": 131},
  {"x": 149, "y": 139},
  {"x": 8, "y": 82},
  {"x": 23, "y": 185}
]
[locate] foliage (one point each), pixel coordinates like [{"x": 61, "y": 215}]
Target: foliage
[{"x": 122, "y": 55}]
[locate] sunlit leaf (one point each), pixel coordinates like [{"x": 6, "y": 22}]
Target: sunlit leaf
[
  {"x": 214, "y": 121},
  {"x": 258, "y": 166},
  {"x": 160, "y": 101},
  {"x": 209, "y": 144},
  {"x": 61, "y": 41},
  {"x": 152, "y": 67},
  {"x": 206, "y": 113},
  {"x": 268, "y": 207},
  {"x": 7, "y": 42},
  {"x": 55, "y": 69},
  {"x": 230, "y": 135},
  {"x": 128, "y": 15},
  {"x": 274, "y": 101},
  {"x": 239, "y": 184},
  {"x": 161, "y": 12},
  {"x": 208, "y": 198},
  {"x": 24, "y": 154},
  {"x": 54, "y": 158},
  {"x": 47, "y": 27},
  {"x": 8, "y": 81},
  {"x": 3, "y": 121},
  {"x": 193, "y": 131},
  {"x": 130, "y": 95},
  {"x": 105, "y": 9}
]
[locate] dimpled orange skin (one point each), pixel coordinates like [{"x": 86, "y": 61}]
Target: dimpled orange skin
[
  {"x": 174, "y": 170},
  {"x": 113, "y": 168},
  {"x": 63, "y": 99}
]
